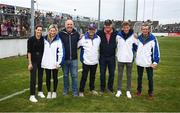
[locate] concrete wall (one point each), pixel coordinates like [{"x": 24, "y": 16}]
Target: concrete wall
[
  {"x": 12, "y": 47},
  {"x": 160, "y": 34}
]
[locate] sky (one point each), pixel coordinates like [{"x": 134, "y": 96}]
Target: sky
[{"x": 165, "y": 11}]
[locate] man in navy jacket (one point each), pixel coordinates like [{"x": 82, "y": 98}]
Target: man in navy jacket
[
  {"x": 70, "y": 38},
  {"x": 107, "y": 54}
]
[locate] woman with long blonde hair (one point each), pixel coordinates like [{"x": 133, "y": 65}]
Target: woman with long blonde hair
[{"x": 52, "y": 58}]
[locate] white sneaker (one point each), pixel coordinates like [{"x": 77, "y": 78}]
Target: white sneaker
[
  {"x": 118, "y": 94},
  {"x": 54, "y": 95},
  {"x": 94, "y": 92},
  {"x": 49, "y": 95},
  {"x": 41, "y": 94},
  {"x": 128, "y": 94},
  {"x": 81, "y": 94},
  {"x": 33, "y": 99}
]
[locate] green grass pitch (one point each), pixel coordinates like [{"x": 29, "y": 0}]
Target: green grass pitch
[{"x": 14, "y": 77}]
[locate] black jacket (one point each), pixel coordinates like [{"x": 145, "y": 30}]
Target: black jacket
[
  {"x": 107, "y": 49},
  {"x": 70, "y": 41},
  {"x": 36, "y": 48}
]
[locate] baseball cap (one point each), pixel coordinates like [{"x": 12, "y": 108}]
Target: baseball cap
[
  {"x": 92, "y": 26},
  {"x": 107, "y": 22}
]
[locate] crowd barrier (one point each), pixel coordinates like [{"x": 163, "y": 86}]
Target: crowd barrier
[{"x": 13, "y": 47}]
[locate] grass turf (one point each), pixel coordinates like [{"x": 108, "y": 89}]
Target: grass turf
[{"x": 15, "y": 77}]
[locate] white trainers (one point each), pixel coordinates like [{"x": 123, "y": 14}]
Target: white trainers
[
  {"x": 49, "y": 95},
  {"x": 81, "y": 94},
  {"x": 118, "y": 94},
  {"x": 94, "y": 92},
  {"x": 33, "y": 99},
  {"x": 128, "y": 94},
  {"x": 41, "y": 94},
  {"x": 54, "y": 95}
]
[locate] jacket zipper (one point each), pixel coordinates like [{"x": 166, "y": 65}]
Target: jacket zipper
[
  {"x": 70, "y": 52},
  {"x": 92, "y": 42}
]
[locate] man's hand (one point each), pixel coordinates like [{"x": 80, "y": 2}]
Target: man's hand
[
  {"x": 57, "y": 66},
  {"x": 81, "y": 35},
  {"x": 135, "y": 35},
  {"x": 30, "y": 67},
  {"x": 154, "y": 66}
]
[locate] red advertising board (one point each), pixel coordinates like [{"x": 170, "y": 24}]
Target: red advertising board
[{"x": 173, "y": 34}]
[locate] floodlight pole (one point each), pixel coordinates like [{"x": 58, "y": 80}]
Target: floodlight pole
[
  {"x": 144, "y": 7},
  {"x": 124, "y": 10},
  {"x": 153, "y": 11},
  {"x": 137, "y": 6},
  {"x": 32, "y": 17},
  {"x": 99, "y": 14}
]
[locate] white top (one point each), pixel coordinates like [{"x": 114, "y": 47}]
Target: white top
[
  {"x": 53, "y": 53},
  {"x": 89, "y": 49},
  {"x": 147, "y": 51},
  {"x": 125, "y": 48}
]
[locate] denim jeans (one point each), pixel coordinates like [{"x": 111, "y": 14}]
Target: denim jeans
[
  {"x": 72, "y": 67},
  {"x": 107, "y": 62}
]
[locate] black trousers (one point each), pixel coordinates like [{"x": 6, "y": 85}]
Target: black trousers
[
  {"x": 104, "y": 63},
  {"x": 86, "y": 69},
  {"x": 48, "y": 79},
  {"x": 36, "y": 68},
  {"x": 149, "y": 71}
]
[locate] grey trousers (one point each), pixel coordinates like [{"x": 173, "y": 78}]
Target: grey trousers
[{"x": 128, "y": 73}]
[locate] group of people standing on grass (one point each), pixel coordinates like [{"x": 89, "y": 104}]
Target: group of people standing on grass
[{"x": 103, "y": 47}]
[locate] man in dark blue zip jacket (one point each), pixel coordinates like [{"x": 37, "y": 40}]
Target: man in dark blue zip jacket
[
  {"x": 107, "y": 54},
  {"x": 70, "y": 38}
]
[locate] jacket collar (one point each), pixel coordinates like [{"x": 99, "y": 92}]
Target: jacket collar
[
  {"x": 113, "y": 31},
  {"x": 73, "y": 31},
  {"x": 55, "y": 38},
  {"x": 86, "y": 35},
  {"x": 124, "y": 35},
  {"x": 150, "y": 38}
]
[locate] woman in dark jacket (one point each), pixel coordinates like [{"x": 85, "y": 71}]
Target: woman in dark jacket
[{"x": 35, "y": 48}]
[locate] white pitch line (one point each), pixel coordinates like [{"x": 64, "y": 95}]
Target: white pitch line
[{"x": 23, "y": 91}]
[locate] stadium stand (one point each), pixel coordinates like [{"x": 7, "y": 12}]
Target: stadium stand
[{"x": 15, "y": 22}]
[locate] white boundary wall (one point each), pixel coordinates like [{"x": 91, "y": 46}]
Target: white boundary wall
[
  {"x": 13, "y": 47},
  {"x": 160, "y": 34}
]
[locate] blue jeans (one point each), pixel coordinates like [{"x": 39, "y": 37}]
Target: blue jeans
[{"x": 72, "y": 67}]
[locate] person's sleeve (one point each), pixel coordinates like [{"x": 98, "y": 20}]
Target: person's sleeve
[
  {"x": 156, "y": 52},
  {"x": 78, "y": 35},
  {"x": 99, "y": 39},
  {"x": 98, "y": 32},
  {"x": 60, "y": 53},
  {"x": 80, "y": 42},
  {"x": 29, "y": 46},
  {"x": 135, "y": 39},
  {"x": 135, "y": 43},
  {"x": 117, "y": 36}
]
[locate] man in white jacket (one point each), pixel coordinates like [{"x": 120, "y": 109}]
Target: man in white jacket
[
  {"x": 126, "y": 40},
  {"x": 147, "y": 56},
  {"x": 52, "y": 58},
  {"x": 89, "y": 56}
]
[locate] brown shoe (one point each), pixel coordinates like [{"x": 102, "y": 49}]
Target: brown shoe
[
  {"x": 138, "y": 94},
  {"x": 150, "y": 94}
]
